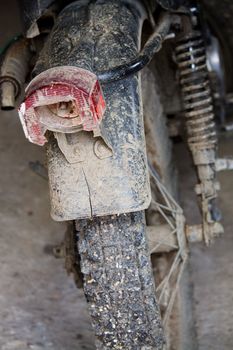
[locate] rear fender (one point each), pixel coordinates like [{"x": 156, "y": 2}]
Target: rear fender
[{"x": 101, "y": 173}]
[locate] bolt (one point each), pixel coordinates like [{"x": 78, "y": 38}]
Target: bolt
[
  {"x": 64, "y": 108},
  {"x": 102, "y": 150}
]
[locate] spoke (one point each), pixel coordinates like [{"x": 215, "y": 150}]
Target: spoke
[
  {"x": 165, "y": 243},
  {"x": 164, "y": 207},
  {"x": 167, "y": 278},
  {"x": 172, "y": 213},
  {"x": 166, "y": 195},
  {"x": 161, "y": 285},
  {"x": 173, "y": 296},
  {"x": 163, "y": 193},
  {"x": 172, "y": 232},
  {"x": 166, "y": 218}
]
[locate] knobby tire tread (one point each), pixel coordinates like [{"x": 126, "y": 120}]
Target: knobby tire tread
[{"x": 118, "y": 282}]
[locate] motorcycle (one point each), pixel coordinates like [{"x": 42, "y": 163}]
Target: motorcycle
[{"x": 110, "y": 85}]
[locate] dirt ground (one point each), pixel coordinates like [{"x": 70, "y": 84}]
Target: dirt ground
[
  {"x": 213, "y": 272},
  {"x": 40, "y": 307},
  {"x": 211, "y": 267}
]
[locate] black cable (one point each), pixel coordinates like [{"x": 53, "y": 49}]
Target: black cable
[{"x": 153, "y": 45}]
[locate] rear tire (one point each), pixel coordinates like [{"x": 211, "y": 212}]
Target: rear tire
[{"x": 118, "y": 282}]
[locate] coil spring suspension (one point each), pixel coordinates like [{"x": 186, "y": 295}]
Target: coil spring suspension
[
  {"x": 195, "y": 86},
  {"x": 200, "y": 124}
]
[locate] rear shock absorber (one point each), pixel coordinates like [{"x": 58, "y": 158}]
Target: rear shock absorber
[
  {"x": 196, "y": 93},
  {"x": 190, "y": 55}
]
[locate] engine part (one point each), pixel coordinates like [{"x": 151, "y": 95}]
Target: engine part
[
  {"x": 199, "y": 117},
  {"x": 14, "y": 69}
]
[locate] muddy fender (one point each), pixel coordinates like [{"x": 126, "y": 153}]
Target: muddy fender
[{"x": 93, "y": 174}]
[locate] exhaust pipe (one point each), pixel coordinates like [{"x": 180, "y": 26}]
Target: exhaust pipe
[{"x": 14, "y": 70}]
